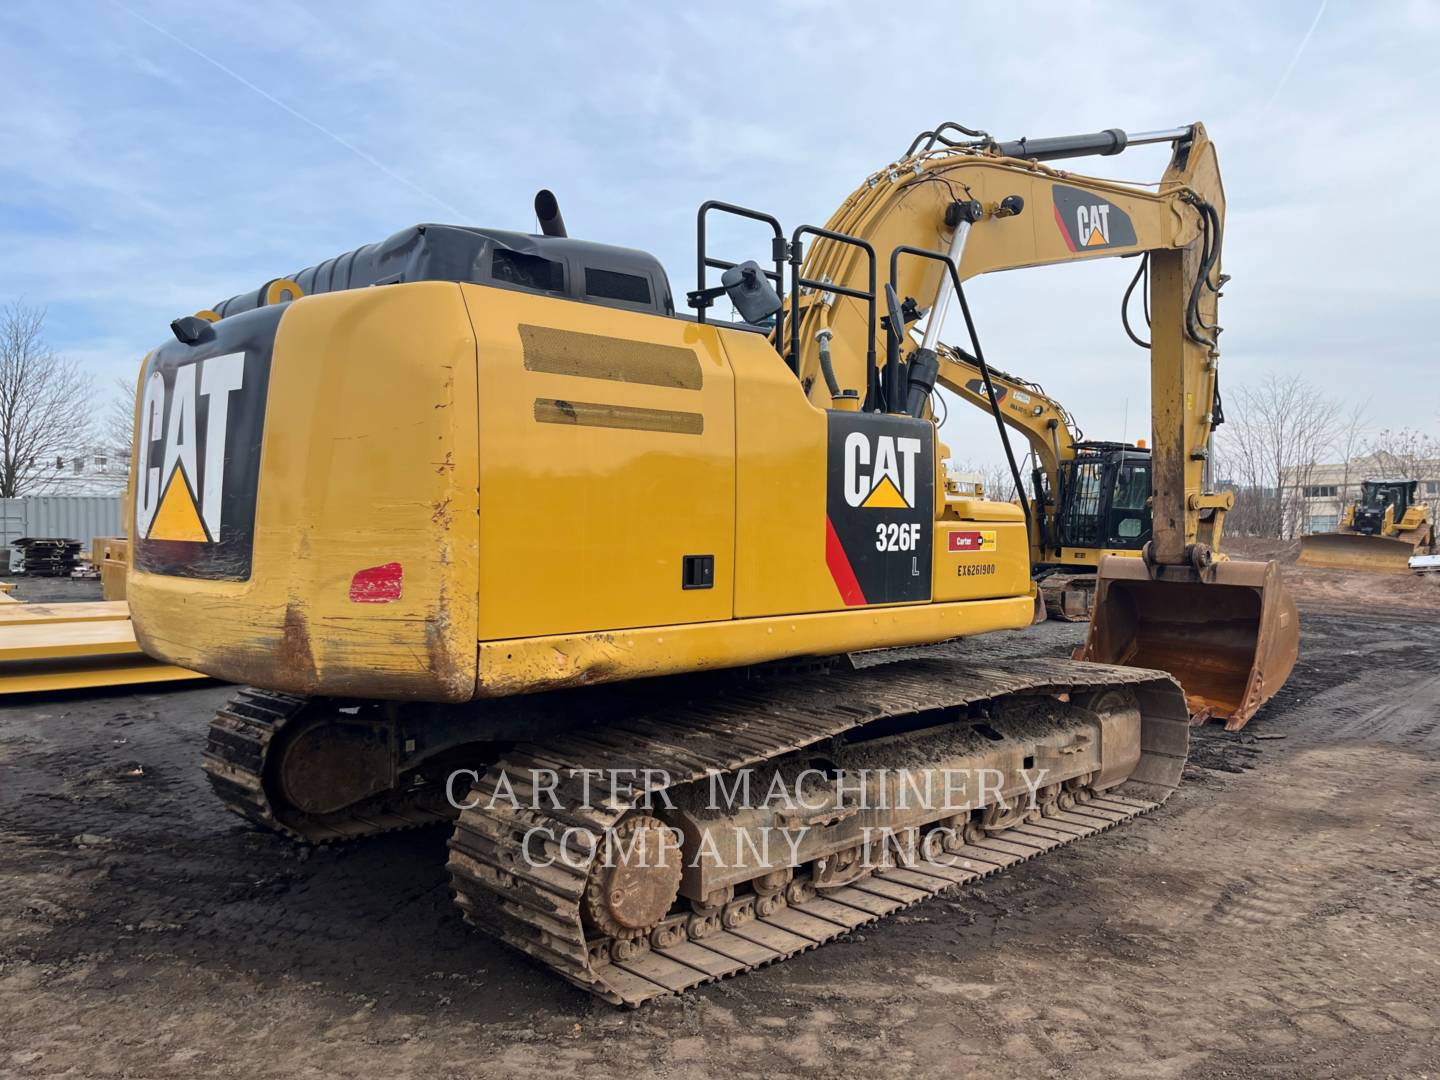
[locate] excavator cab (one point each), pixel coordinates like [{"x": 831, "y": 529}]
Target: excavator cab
[{"x": 1104, "y": 497}]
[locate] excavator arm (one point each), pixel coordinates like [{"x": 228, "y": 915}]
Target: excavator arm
[
  {"x": 990, "y": 213},
  {"x": 1064, "y": 548},
  {"x": 1045, "y": 424},
  {"x": 989, "y": 207}
]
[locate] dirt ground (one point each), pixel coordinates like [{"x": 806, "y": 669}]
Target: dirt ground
[
  {"x": 1343, "y": 590},
  {"x": 1280, "y": 916}
]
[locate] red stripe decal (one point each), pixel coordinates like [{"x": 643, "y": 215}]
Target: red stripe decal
[
  {"x": 840, "y": 569},
  {"x": 1064, "y": 231}
]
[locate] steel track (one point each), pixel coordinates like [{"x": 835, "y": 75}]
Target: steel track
[{"x": 538, "y": 909}]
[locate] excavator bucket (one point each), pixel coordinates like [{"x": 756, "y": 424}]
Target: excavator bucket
[
  {"x": 1231, "y": 635},
  {"x": 1357, "y": 551}
]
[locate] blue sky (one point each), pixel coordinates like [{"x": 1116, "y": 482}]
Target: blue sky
[{"x": 140, "y": 181}]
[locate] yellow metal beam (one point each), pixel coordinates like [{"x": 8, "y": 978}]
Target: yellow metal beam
[
  {"x": 40, "y": 677},
  {"x": 53, "y": 640},
  {"x": 98, "y": 611},
  {"x": 74, "y": 646}
]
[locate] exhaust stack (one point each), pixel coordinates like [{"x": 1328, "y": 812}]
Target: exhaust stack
[{"x": 547, "y": 209}]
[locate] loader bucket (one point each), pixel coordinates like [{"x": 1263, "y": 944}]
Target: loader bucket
[
  {"x": 1357, "y": 551},
  {"x": 1230, "y": 636}
]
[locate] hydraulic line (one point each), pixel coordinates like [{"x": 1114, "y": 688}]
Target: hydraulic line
[
  {"x": 1210, "y": 248},
  {"x": 1141, "y": 274},
  {"x": 826, "y": 368}
]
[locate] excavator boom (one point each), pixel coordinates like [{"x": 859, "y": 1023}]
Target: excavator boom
[{"x": 986, "y": 211}]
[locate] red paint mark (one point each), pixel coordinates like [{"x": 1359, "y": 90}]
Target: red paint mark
[
  {"x": 377, "y": 584},
  {"x": 1069, "y": 243},
  {"x": 840, "y": 568},
  {"x": 966, "y": 541}
]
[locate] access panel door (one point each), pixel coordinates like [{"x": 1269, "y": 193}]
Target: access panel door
[{"x": 607, "y": 468}]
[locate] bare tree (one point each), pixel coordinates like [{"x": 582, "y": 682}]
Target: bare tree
[
  {"x": 995, "y": 479},
  {"x": 1240, "y": 466},
  {"x": 1275, "y": 434},
  {"x": 119, "y": 419},
  {"x": 1404, "y": 454},
  {"x": 44, "y": 403},
  {"x": 1350, "y": 444}
]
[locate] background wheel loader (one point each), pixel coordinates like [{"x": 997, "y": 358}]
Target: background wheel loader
[
  {"x": 476, "y": 507},
  {"x": 1380, "y": 532}
]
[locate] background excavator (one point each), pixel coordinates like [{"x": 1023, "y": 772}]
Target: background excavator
[
  {"x": 480, "y": 504},
  {"x": 1381, "y": 531},
  {"x": 1088, "y": 499}
]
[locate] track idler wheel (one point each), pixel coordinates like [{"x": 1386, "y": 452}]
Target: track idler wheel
[
  {"x": 1077, "y": 790},
  {"x": 1047, "y": 803},
  {"x": 839, "y": 868},
  {"x": 330, "y": 761},
  {"x": 633, "y": 882},
  {"x": 960, "y": 831}
]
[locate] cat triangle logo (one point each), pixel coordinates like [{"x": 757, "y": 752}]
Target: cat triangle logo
[
  {"x": 1096, "y": 237},
  {"x": 177, "y": 518},
  {"x": 880, "y": 476},
  {"x": 886, "y": 496}
]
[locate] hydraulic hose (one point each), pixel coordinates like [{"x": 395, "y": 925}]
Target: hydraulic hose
[
  {"x": 827, "y": 369},
  {"x": 1210, "y": 255},
  {"x": 1125, "y": 303}
]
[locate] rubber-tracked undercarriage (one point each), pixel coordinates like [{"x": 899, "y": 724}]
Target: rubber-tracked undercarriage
[{"x": 703, "y": 837}]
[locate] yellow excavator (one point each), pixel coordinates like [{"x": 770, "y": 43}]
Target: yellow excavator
[
  {"x": 1088, "y": 499},
  {"x": 492, "y": 533},
  {"x": 1381, "y": 531}
]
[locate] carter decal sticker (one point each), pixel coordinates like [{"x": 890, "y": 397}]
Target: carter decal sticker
[
  {"x": 180, "y": 495},
  {"x": 972, "y": 540},
  {"x": 1090, "y": 223}
]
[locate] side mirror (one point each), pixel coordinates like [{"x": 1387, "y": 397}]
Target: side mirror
[{"x": 751, "y": 292}]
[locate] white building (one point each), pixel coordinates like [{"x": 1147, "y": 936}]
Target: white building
[{"x": 88, "y": 470}]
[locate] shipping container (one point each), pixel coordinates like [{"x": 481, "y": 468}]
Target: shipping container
[{"x": 77, "y": 517}]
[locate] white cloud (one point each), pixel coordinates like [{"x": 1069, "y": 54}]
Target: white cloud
[{"x": 138, "y": 182}]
